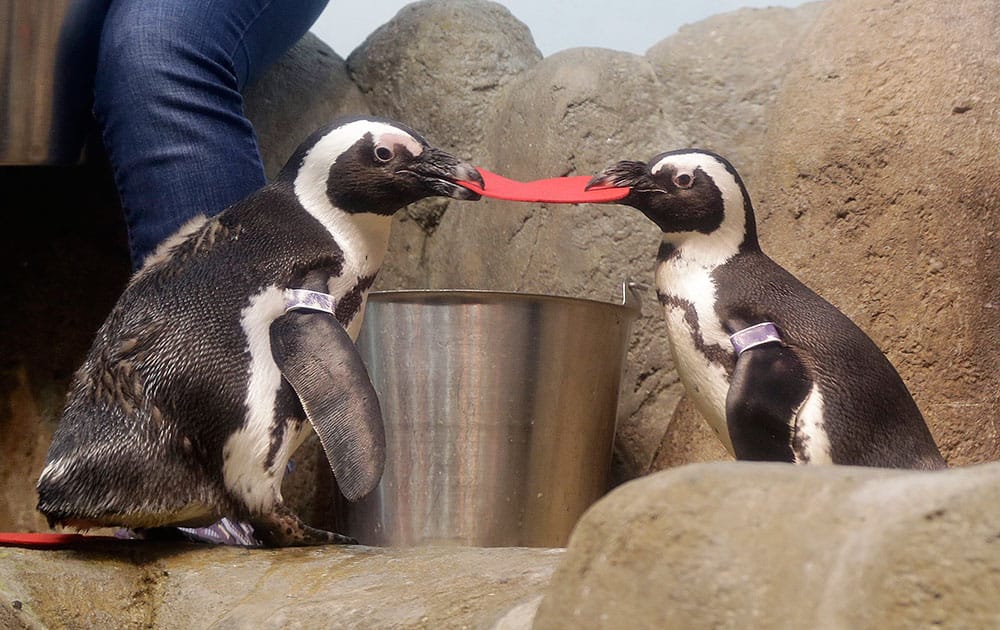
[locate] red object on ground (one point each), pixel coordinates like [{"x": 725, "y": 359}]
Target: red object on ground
[
  {"x": 553, "y": 190},
  {"x": 47, "y": 541}
]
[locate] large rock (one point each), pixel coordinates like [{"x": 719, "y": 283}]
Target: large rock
[
  {"x": 882, "y": 192},
  {"x": 408, "y": 70},
  {"x": 722, "y": 75},
  {"x": 131, "y": 584},
  {"x": 739, "y": 545},
  {"x": 439, "y": 66}
]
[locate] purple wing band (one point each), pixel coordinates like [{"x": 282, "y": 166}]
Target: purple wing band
[
  {"x": 224, "y": 532},
  {"x": 306, "y": 300},
  {"x": 754, "y": 336}
]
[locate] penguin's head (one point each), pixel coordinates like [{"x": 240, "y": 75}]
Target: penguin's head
[
  {"x": 689, "y": 194},
  {"x": 372, "y": 165}
]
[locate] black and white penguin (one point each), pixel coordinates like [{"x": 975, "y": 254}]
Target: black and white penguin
[
  {"x": 232, "y": 335},
  {"x": 779, "y": 373}
]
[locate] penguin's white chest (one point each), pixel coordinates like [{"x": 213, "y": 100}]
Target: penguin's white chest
[
  {"x": 248, "y": 470},
  {"x": 698, "y": 342}
]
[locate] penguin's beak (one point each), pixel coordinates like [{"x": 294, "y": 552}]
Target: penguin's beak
[
  {"x": 624, "y": 174},
  {"x": 441, "y": 172}
]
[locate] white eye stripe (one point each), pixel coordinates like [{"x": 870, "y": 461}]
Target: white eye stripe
[
  {"x": 659, "y": 165},
  {"x": 687, "y": 163}
]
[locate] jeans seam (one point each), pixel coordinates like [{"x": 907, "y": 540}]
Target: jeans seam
[{"x": 241, "y": 44}]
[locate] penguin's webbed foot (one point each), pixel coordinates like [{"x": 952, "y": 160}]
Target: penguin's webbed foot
[{"x": 283, "y": 528}]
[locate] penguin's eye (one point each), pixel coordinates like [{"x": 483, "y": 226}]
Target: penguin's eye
[
  {"x": 384, "y": 153},
  {"x": 683, "y": 180}
]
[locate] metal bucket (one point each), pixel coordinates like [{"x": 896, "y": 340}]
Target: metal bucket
[{"x": 499, "y": 411}]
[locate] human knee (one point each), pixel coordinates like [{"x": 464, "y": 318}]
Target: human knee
[{"x": 145, "y": 51}]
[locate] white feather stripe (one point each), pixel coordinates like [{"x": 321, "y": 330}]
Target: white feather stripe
[
  {"x": 713, "y": 249},
  {"x": 810, "y": 441},
  {"x": 705, "y": 382},
  {"x": 245, "y": 452},
  {"x": 363, "y": 237}
]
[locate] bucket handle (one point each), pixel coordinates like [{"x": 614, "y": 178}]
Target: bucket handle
[{"x": 632, "y": 296}]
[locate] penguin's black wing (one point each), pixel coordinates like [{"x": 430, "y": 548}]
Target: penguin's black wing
[
  {"x": 767, "y": 387},
  {"x": 320, "y": 361}
]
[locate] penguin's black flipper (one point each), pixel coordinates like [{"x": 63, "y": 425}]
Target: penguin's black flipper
[
  {"x": 767, "y": 387},
  {"x": 320, "y": 361}
]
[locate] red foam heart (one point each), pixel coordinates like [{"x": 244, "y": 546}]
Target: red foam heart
[
  {"x": 553, "y": 190},
  {"x": 46, "y": 541}
]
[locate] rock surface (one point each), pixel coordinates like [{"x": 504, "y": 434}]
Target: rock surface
[
  {"x": 187, "y": 586},
  {"x": 867, "y": 133},
  {"x": 739, "y": 545},
  {"x": 883, "y": 194},
  {"x": 722, "y": 75},
  {"x": 426, "y": 66},
  {"x": 304, "y": 90}
]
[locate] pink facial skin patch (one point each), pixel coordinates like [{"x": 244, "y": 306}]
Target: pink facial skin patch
[{"x": 552, "y": 190}]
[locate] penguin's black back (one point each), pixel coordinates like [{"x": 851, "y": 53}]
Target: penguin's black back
[
  {"x": 870, "y": 417},
  {"x": 165, "y": 383}
]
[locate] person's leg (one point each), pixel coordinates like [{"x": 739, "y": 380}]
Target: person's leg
[{"x": 167, "y": 99}]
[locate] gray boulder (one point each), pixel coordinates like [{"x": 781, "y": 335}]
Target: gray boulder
[
  {"x": 304, "y": 90},
  {"x": 722, "y": 75},
  {"x": 439, "y": 66},
  {"x": 739, "y": 545},
  {"x": 426, "y": 68}
]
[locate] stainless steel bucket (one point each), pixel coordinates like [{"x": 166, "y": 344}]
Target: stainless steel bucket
[{"x": 500, "y": 413}]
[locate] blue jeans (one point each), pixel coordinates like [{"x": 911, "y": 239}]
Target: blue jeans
[{"x": 167, "y": 100}]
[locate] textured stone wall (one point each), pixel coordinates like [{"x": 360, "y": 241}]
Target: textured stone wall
[{"x": 883, "y": 193}]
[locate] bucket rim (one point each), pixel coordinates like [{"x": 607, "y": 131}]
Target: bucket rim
[{"x": 490, "y": 296}]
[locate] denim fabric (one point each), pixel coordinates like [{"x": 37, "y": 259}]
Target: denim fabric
[{"x": 167, "y": 99}]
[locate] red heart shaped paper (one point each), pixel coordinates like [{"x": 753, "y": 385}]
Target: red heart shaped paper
[{"x": 552, "y": 190}]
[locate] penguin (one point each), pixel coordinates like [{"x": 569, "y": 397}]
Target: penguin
[
  {"x": 235, "y": 339},
  {"x": 777, "y": 371}
]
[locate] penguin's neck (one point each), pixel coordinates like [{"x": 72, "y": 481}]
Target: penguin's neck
[
  {"x": 362, "y": 237},
  {"x": 686, "y": 266},
  {"x": 708, "y": 250}
]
